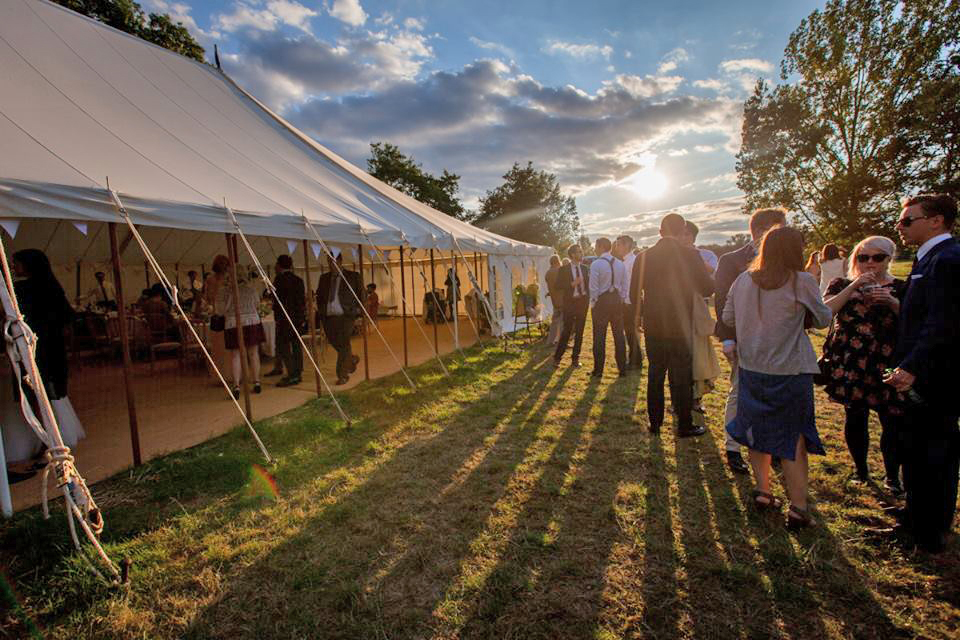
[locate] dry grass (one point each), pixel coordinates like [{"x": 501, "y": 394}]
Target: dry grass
[{"x": 511, "y": 501}]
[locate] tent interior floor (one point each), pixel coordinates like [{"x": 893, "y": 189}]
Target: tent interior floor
[{"x": 179, "y": 407}]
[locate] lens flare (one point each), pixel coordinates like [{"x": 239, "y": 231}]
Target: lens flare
[{"x": 262, "y": 483}]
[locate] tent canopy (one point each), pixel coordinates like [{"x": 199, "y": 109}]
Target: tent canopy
[{"x": 82, "y": 103}]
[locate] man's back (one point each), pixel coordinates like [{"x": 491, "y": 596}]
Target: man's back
[
  {"x": 673, "y": 273},
  {"x": 729, "y": 268},
  {"x": 291, "y": 294}
]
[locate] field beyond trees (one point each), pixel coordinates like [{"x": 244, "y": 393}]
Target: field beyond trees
[{"x": 510, "y": 501}]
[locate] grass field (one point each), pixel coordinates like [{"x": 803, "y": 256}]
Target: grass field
[{"x": 510, "y": 501}]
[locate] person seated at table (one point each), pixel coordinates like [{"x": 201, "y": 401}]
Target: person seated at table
[
  {"x": 253, "y": 334},
  {"x": 156, "y": 311},
  {"x": 192, "y": 294},
  {"x": 103, "y": 296}
]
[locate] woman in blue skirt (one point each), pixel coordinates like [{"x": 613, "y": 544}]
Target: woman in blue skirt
[{"x": 771, "y": 304}]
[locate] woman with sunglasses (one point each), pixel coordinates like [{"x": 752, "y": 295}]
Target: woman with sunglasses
[{"x": 858, "y": 350}]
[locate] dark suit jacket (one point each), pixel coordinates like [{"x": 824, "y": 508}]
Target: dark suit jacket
[
  {"x": 564, "y": 282},
  {"x": 347, "y": 301},
  {"x": 928, "y": 344},
  {"x": 673, "y": 273},
  {"x": 729, "y": 268},
  {"x": 290, "y": 293}
]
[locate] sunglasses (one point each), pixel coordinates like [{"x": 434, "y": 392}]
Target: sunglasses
[
  {"x": 877, "y": 257},
  {"x": 906, "y": 222}
]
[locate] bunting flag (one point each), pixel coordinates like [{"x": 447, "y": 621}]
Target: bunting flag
[
  {"x": 317, "y": 249},
  {"x": 413, "y": 252},
  {"x": 386, "y": 255},
  {"x": 356, "y": 256},
  {"x": 10, "y": 226},
  {"x": 335, "y": 251},
  {"x": 81, "y": 227},
  {"x": 291, "y": 246}
]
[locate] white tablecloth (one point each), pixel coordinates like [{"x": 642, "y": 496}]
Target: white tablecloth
[{"x": 269, "y": 348}]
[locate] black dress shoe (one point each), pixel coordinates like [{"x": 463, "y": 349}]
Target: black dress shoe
[
  {"x": 736, "y": 463},
  {"x": 624, "y": 373},
  {"x": 273, "y": 372},
  {"x": 691, "y": 432},
  {"x": 596, "y": 374},
  {"x": 655, "y": 429}
]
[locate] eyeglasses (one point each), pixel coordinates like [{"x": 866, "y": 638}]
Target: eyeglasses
[
  {"x": 906, "y": 222},
  {"x": 863, "y": 258}
]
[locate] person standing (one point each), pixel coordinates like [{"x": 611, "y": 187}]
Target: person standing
[
  {"x": 556, "y": 299},
  {"x": 926, "y": 357},
  {"x": 103, "y": 296},
  {"x": 634, "y": 353},
  {"x": 452, "y": 284},
  {"x": 573, "y": 286},
  {"x": 830, "y": 265},
  {"x": 706, "y": 365},
  {"x": 769, "y": 304},
  {"x": 608, "y": 292},
  {"x": 338, "y": 309},
  {"x": 248, "y": 336},
  {"x": 290, "y": 293},
  {"x": 729, "y": 268},
  {"x": 672, "y": 275},
  {"x": 858, "y": 350}
]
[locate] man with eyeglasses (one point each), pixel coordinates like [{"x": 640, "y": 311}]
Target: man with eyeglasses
[{"x": 927, "y": 353}]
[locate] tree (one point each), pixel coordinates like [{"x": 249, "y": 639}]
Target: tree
[
  {"x": 127, "y": 16},
  {"x": 529, "y": 207},
  {"x": 834, "y": 144},
  {"x": 388, "y": 164}
]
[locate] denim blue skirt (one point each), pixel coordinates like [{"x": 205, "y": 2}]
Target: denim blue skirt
[{"x": 773, "y": 411}]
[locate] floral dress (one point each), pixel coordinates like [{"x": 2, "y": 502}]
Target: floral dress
[{"x": 858, "y": 350}]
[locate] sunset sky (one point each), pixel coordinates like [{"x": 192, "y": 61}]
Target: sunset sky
[{"x": 634, "y": 105}]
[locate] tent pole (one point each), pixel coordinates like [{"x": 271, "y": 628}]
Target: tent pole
[
  {"x": 244, "y": 365},
  {"x": 363, "y": 320},
  {"x": 125, "y": 345},
  {"x": 413, "y": 287},
  {"x": 433, "y": 293},
  {"x": 6, "y": 502},
  {"x": 146, "y": 272},
  {"x": 78, "y": 277},
  {"x": 311, "y": 314},
  {"x": 403, "y": 310}
]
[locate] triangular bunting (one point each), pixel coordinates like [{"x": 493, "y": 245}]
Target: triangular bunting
[
  {"x": 10, "y": 226},
  {"x": 81, "y": 227},
  {"x": 386, "y": 255},
  {"x": 291, "y": 246},
  {"x": 373, "y": 253},
  {"x": 317, "y": 249},
  {"x": 354, "y": 252}
]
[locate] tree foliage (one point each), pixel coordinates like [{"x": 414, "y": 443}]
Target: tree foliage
[
  {"x": 529, "y": 207},
  {"x": 858, "y": 119},
  {"x": 127, "y": 16},
  {"x": 388, "y": 164}
]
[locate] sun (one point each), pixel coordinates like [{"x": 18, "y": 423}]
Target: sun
[{"x": 648, "y": 183}]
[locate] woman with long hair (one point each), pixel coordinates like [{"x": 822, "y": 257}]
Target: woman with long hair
[
  {"x": 249, "y": 335},
  {"x": 770, "y": 304},
  {"x": 831, "y": 265},
  {"x": 212, "y": 285},
  {"x": 860, "y": 347}
]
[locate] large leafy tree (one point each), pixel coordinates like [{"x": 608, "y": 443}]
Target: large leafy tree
[
  {"x": 127, "y": 15},
  {"x": 834, "y": 141},
  {"x": 401, "y": 172},
  {"x": 529, "y": 207}
]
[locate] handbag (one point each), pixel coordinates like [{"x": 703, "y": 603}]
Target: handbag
[{"x": 217, "y": 322}]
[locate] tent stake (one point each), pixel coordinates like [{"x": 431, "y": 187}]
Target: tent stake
[
  {"x": 311, "y": 313},
  {"x": 125, "y": 345},
  {"x": 241, "y": 344},
  {"x": 363, "y": 320},
  {"x": 403, "y": 310}
]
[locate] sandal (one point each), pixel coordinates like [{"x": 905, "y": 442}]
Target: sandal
[
  {"x": 763, "y": 501},
  {"x": 798, "y": 518}
]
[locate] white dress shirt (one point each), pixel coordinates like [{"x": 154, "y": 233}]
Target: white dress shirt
[
  {"x": 628, "y": 261},
  {"x": 334, "y": 308},
  {"x": 96, "y": 294},
  {"x": 578, "y": 289},
  {"x": 930, "y": 244},
  {"x": 607, "y": 274},
  {"x": 709, "y": 258}
]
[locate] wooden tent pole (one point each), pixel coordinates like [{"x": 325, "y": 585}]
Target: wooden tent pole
[
  {"x": 146, "y": 272},
  {"x": 235, "y": 282},
  {"x": 125, "y": 345},
  {"x": 311, "y": 313},
  {"x": 436, "y": 303},
  {"x": 403, "y": 312},
  {"x": 78, "y": 278},
  {"x": 363, "y": 319}
]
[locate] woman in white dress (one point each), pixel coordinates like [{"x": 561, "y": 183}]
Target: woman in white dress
[{"x": 831, "y": 265}]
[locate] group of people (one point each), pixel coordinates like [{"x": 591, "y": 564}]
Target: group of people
[{"x": 890, "y": 348}]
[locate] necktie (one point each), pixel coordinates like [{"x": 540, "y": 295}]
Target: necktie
[{"x": 103, "y": 291}]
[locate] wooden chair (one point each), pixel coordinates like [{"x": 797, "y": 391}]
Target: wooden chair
[
  {"x": 161, "y": 337},
  {"x": 190, "y": 344}
]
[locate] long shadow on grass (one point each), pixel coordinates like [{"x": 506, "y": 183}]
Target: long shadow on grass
[
  {"x": 526, "y": 594},
  {"x": 318, "y": 579},
  {"x": 208, "y": 479},
  {"x": 813, "y": 589}
]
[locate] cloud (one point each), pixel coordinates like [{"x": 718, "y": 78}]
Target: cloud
[
  {"x": 348, "y": 11},
  {"x": 268, "y": 16},
  {"x": 414, "y": 24},
  {"x": 648, "y": 86},
  {"x": 582, "y": 51},
  {"x": 180, "y": 12},
  {"x": 711, "y": 83},
  {"x": 746, "y": 64},
  {"x": 493, "y": 46},
  {"x": 672, "y": 60}
]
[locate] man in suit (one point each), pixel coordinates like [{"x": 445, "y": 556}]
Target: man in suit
[
  {"x": 573, "y": 287},
  {"x": 634, "y": 353},
  {"x": 729, "y": 268},
  {"x": 672, "y": 274},
  {"x": 289, "y": 289},
  {"x": 608, "y": 294},
  {"x": 556, "y": 299},
  {"x": 927, "y": 353},
  {"x": 338, "y": 309}
]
